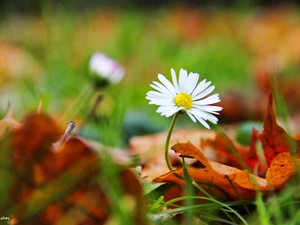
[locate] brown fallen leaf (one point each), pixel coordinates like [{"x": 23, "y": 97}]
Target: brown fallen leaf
[
  {"x": 60, "y": 186},
  {"x": 33, "y": 138},
  {"x": 150, "y": 149},
  {"x": 237, "y": 176},
  {"x": 274, "y": 139},
  {"x": 149, "y": 145},
  {"x": 282, "y": 169},
  {"x": 225, "y": 182},
  {"x": 220, "y": 150},
  {"x": 215, "y": 184},
  {"x": 54, "y": 163}
]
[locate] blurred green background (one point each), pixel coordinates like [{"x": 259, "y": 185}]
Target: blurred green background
[{"x": 45, "y": 47}]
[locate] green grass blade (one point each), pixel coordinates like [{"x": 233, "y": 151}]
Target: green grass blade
[{"x": 5, "y": 172}]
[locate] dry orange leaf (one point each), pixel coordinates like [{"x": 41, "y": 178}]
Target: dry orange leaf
[
  {"x": 282, "y": 169},
  {"x": 150, "y": 149},
  {"x": 218, "y": 179},
  {"x": 215, "y": 184},
  {"x": 237, "y": 176},
  {"x": 274, "y": 140},
  {"x": 222, "y": 151}
]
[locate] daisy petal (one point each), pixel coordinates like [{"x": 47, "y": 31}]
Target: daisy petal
[
  {"x": 155, "y": 94},
  {"x": 161, "y": 88},
  {"x": 200, "y": 87},
  {"x": 182, "y": 80},
  {"x": 202, "y": 121},
  {"x": 191, "y": 82},
  {"x": 174, "y": 79},
  {"x": 209, "y": 100},
  {"x": 204, "y": 115},
  {"x": 167, "y": 110},
  {"x": 165, "y": 102},
  {"x": 210, "y": 109},
  {"x": 191, "y": 116},
  {"x": 205, "y": 92},
  {"x": 167, "y": 83}
]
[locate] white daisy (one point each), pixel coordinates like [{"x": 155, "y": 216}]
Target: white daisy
[
  {"x": 105, "y": 68},
  {"x": 185, "y": 95}
]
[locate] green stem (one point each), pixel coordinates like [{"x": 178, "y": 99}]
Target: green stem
[
  {"x": 168, "y": 140},
  {"x": 77, "y": 104},
  {"x": 189, "y": 191}
]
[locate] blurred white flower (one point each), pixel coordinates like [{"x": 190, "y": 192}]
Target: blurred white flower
[
  {"x": 185, "y": 95},
  {"x": 105, "y": 70}
]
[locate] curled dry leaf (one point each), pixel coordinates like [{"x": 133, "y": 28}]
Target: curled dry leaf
[
  {"x": 150, "y": 149},
  {"x": 240, "y": 177},
  {"x": 274, "y": 139},
  {"x": 221, "y": 150},
  {"x": 215, "y": 184},
  {"x": 226, "y": 182},
  {"x": 50, "y": 187}
]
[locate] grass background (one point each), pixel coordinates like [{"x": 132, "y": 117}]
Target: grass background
[{"x": 48, "y": 55}]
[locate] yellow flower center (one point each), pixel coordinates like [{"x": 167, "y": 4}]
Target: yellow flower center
[{"x": 184, "y": 100}]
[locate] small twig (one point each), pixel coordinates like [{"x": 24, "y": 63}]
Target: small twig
[
  {"x": 185, "y": 156},
  {"x": 39, "y": 108},
  {"x": 92, "y": 113},
  {"x": 71, "y": 125}
]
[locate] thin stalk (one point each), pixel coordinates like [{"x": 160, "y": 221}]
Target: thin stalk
[
  {"x": 78, "y": 103},
  {"x": 238, "y": 194},
  {"x": 189, "y": 191},
  {"x": 168, "y": 141},
  {"x": 226, "y": 206}
]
